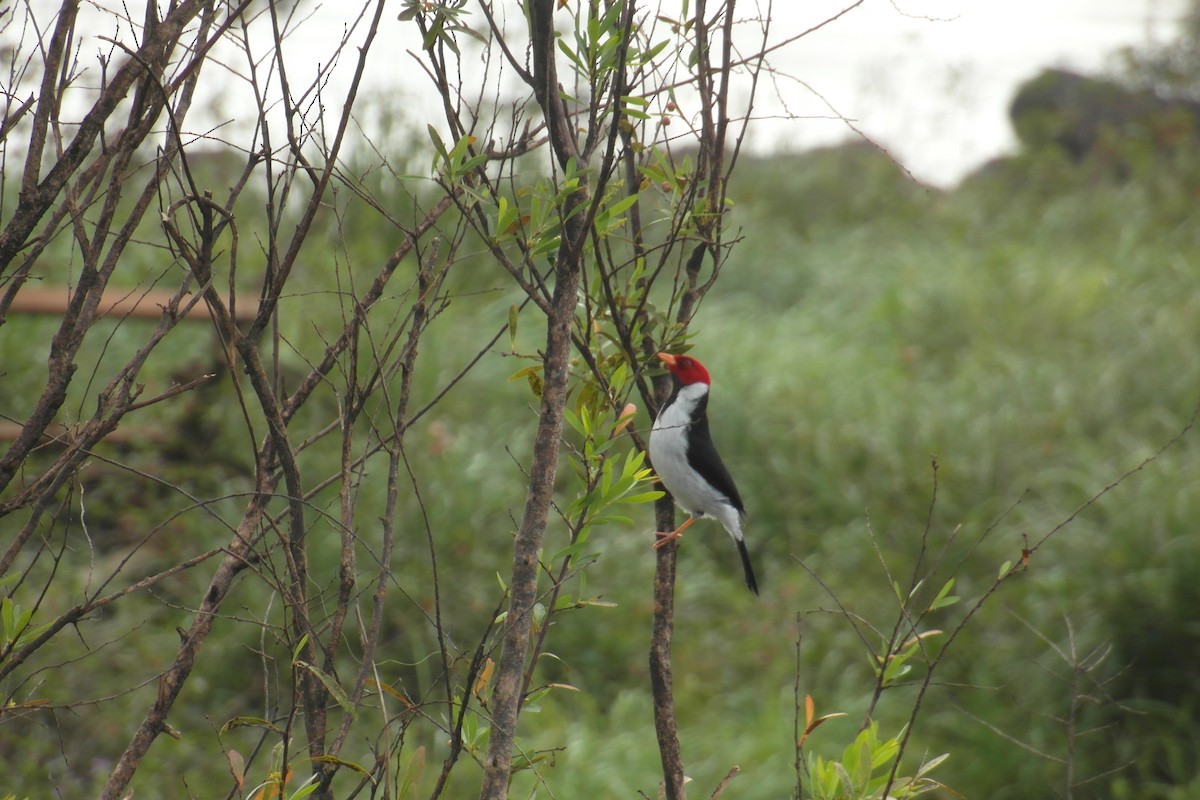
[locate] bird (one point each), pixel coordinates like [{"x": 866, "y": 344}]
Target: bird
[{"x": 686, "y": 460}]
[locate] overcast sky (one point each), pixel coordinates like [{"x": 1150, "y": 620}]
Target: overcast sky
[{"x": 930, "y": 80}]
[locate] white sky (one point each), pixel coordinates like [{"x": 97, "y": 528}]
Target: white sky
[
  {"x": 936, "y": 93},
  {"x": 930, "y": 80}
]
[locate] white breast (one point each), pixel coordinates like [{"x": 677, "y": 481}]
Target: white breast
[{"x": 668, "y": 453}]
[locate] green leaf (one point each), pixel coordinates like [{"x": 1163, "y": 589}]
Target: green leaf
[
  {"x": 642, "y": 497},
  {"x": 573, "y": 418},
  {"x": 619, "y": 378},
  {"x": 431, "y": 36},
  {"x": 299, "y": 646},
  {"x": 8, "y": 620},
  {"x": 308, "y": 787},
  {"x": 622, "y": 205},
  {"x": 571, "y": 550},
  {"x": 341, "y": 762},
  {"x": 449, "y": 42},
  {"x": 513, "y": 311},
  {"x": 331, "y": 685},
  {"x": 412, "y": 772},
  {"x": 472, "y": 163},
  {"x": 895, "y": 670},
  {"x": 885, "y": 753},
  {"x": 438, "y": 144},
  {"x": 603, "y": 447},
  {"x": 474, "y": 34},
  {"x": 944, "y": 598},
  {"x": 930, "y": 765},
  {"x": 608, "y": 519},
  {"x": 251, "y": 722},
  {"x": 570, "y": 54},
  {"x": 650, "y": 54},
  {"x": 596, "y": 601}
]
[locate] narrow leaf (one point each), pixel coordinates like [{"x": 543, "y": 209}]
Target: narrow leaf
[
  {"x": 330, "y": 684},
  {"x": 513, "y": 310},
  {"x": 438, "y": 144},
  {"x": 944, "y": 598},
  {"x": 622, "y": 205},
  {"x": 341, "y": 762},
  {"x": 485, "y": 675},
  {"x": 393, "y": 691},
  {"x": 299, "y": 646},
  {"x": 644, "y": 497},
  {"x": 237, "y": 767},
  {"x": 256, "y": 722},
  {"x": 929, "y": 765},
  {"x": 412, "y": 772}
]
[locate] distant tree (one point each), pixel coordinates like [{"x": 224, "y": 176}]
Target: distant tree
[
  {"x": 1085, "y": 115},
  {"x": 1172, "y": 68}
]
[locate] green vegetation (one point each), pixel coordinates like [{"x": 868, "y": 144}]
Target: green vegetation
[
  {"x": 1037, "y": 342},
  {"x": 962, "y": 422},
  {"x": 1038, "y": 337}
]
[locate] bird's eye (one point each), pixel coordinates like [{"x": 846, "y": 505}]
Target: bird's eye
[{"x": 685, "y": 362}]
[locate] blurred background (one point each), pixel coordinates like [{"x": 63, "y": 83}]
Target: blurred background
[{"x": 969, "y": 232}]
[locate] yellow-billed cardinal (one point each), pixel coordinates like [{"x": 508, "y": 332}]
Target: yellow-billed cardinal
[{"x": 686, "y": 460}]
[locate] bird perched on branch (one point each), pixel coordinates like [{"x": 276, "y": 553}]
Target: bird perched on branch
[{"x": 687, "y": 462}]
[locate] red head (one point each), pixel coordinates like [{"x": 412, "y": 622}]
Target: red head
[{"x": 686, "y": 369}]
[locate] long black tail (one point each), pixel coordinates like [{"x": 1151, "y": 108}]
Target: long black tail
[{"x": 750, "y": 582}]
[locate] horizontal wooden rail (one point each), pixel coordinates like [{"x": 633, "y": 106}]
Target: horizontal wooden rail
[{"x": 138, "y": 304}]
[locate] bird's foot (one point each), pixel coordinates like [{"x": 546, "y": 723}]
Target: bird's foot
[{"x": 664, "y": 538}]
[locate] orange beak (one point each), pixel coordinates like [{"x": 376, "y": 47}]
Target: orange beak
[{"x": 667, "y": 359}]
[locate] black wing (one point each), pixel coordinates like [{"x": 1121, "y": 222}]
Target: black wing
[{"x": 702, "y": 455}]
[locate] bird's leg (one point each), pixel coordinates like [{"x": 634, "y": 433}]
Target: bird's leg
[{"x": 663, "y": 538}]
